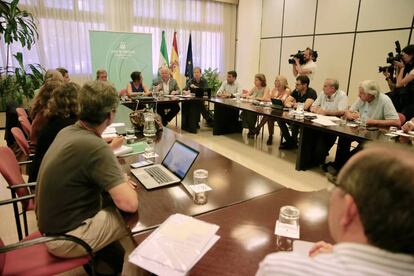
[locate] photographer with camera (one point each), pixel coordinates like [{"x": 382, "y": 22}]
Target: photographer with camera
[
  {"x": 403, "y": 94},
  {"x": 303, "y": 63}
]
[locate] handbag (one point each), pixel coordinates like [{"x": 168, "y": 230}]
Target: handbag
[{"x": 137, "y": 119}]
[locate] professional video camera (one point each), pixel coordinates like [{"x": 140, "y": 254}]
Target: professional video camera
[
  {"x": 391, "y": 58},
  {"x": 299, "y": 55}
]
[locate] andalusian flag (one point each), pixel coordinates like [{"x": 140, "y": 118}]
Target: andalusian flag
[
  {"x": 163, "y": 54},
  {"x": 175, "y": 64}
]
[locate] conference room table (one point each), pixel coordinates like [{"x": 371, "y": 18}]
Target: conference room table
[
  {"x": 226, "y": 120},
  {"x": 190, "y": 108},
  {"x": 243, "y": 203}
]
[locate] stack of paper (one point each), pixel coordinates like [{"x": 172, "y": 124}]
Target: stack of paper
[
  {"x": 122, "y": 150},
  {"x": 324, "y": 121},
  {"x": 176, "y": 246}
]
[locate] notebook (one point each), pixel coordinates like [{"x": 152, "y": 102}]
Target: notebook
[
  {"x": 201, "y": 92},
  {"x": 172, "y": 170}
]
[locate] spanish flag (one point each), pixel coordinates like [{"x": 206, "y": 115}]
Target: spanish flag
[{"x": 174, "y": 62}]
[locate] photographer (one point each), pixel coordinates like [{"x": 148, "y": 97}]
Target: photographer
[
  {"x": 403, "y": 95},
  {"x": 307, "y": 67}
]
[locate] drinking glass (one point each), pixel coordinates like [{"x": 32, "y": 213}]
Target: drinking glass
[
  {"x": 130, "y": 133},
  {"x": 289, "y": 218},
  {"x": 200, "y": 177},
  {"x": 149, "y": 149}
]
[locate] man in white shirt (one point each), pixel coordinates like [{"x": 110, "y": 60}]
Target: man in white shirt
[
  {"x": 229, "y": 88},
  {"x": 307, "y": 69},
  {"x": 372, "y": 109},
  {"x": 167, "y": 86},
  {"x": 370, "y": 218},
  {"x": 330, "y": 102}
]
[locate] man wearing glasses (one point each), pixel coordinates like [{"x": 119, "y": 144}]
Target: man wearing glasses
[{"x": 371, "y": 218}]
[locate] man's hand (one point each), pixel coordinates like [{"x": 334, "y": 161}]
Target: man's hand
[
  {"x": 175, "y": 93},
  {"x": 351, "y": 115},
  {"x": 408, "y": 126},
  {"x": 320, "y": 247},
  {"x": 117, "y": 142}
]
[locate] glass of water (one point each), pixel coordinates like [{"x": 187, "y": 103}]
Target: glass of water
[
  {"x": 288, "y": 219},
  {"x": 149, "y": 149}
]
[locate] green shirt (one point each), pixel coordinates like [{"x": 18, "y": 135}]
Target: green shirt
[{"x": 75, "y": 171}]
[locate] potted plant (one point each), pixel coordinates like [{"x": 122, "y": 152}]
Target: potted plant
[
  {"x": 212, "y": 77},
  {"x": 17, "y": 83}
]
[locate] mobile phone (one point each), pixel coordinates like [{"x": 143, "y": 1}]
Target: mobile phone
[{"x": 141, "y": 164}]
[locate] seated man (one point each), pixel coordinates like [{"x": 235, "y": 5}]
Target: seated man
[
  {"x": 77, "y": 171},
  {"x": 229, "y": 88},
  {"x": 302, "y": 94},
  {"x": 199, "y": 82},
  {"x": 372, "y": 109},
  {"x": 330, "y": 102},
  {"x": 370, "y": 218},
  {"x": 168, "y": 86},
  {"x": 101, "y": 75}
]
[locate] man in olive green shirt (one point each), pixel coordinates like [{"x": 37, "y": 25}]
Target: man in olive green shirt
[{"x": 77, "y": 170}]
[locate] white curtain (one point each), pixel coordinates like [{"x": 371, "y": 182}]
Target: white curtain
[{"x": 64, "y": 30}]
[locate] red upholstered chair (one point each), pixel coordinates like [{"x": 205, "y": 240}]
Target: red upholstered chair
[
  {"x": 21, "y": 141},
  {"x": 31, "y": 257},
  {"x": 21, "y": 112},
  {"x": 26, "y": 125},
  {"x": 9, "y": 168}
]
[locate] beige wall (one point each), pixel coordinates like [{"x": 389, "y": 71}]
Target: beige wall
[{"x": 348, "y": 51}]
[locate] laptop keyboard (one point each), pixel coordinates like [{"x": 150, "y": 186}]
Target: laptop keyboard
[{"x": 158, "y": 174}]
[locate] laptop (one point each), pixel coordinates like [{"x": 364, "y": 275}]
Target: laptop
[
  {"x": 172, "y": 170},
  {"x": 201, "y": 92},
  {"x": 277, "y": 104}
]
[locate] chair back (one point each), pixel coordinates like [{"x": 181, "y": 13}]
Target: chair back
[
  {"x": 26, "y": 125},
  {"x": 2, "y": 258},
  {"x": 9, "y": 168},
  {"x": 21, "y": 140},
  {"x": 21, "y": 112}
]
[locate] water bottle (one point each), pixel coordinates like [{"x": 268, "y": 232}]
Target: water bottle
[{"x": 149, "y": 124}]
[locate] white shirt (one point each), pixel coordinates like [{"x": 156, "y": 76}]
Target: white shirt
[
  {"x": 336, "y": 102},
  {"x": 232, "y": 89},
  {"x": 310, "y": 65},
  {"x": 345, "y": 259},
  {"x": 381, "y": 108}
]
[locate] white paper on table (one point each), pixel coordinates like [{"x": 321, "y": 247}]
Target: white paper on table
[
  {"x": 162, "y": 270},
  {"x": 117, "y": 125},
  {"x": 184, "y": 96},
  {"x": 287, "y": 230},
  {"x": 324, "y": 122},
  {"x": 302, "y": 247},
  {"x": 109, "y": 135},
  {"x": 331, "y": 118},
  {"x": 176, "y": 245},
  {"x": 199, "y": 188},
  {"x": 402, "y": 133},
  {"x": 109, "y": 129},
  {"x": 122, "y": 150}
]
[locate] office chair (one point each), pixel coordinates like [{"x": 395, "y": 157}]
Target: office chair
[
  {"x": 9, "y": 168},
  {"x": 31, "y": 257},
  {"x": 26, "y": 125},
  {"x": 21, "y": 141}
]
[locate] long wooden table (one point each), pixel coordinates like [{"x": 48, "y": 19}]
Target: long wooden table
[
  {"x": 226, "y": 117},
  {"x": 232, "y": 183},
  {"x": 247, "y": 230},
  {"x": 243, "y": 203}
]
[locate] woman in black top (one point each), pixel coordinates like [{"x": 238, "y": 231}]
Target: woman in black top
[{"x": 62, "y": 111}]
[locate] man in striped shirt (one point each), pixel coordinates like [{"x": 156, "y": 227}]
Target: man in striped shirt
[{"x": 371, "y": 217}]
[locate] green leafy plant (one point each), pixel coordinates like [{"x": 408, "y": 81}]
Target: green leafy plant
[
  {"x": 18, "y": 82},
  {"x": 212, "y": 77}
]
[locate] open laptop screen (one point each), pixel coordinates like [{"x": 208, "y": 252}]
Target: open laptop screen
[{"x": 179, "y": 159}]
